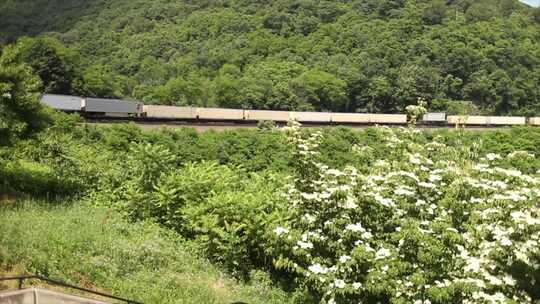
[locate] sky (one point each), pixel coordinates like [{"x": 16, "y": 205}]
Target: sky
[{"x": 535, "y": 3}]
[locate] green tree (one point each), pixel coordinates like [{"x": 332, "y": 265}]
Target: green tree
[
  {"x": 184, "y": 91},
  {"x": 99, "y": 81},
  {"x": 324, "y": 91},
  {"x": 481, "y": 11},
  {"x": 435, "y": 12},
  {"x": 536, "y": 15},
  {"x": 21, "y": 114},
  {"x": 226, "y": 87},
  {"x": 267, "y": 85},
  {"x": 48, "y": 61}
]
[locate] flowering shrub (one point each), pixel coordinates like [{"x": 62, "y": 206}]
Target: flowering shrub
[
  {"x": 415, "y": 112},
  {"x": 425, "y": 223}
]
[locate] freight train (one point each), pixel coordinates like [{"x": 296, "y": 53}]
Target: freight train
[{"x": 114, "y": 108}]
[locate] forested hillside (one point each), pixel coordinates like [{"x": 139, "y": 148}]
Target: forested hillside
[{"x": 349, "y": 55}]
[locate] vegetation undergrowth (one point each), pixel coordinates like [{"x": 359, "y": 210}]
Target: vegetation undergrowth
[
  {"x": 298, "y": 215},
  {"x": 97, "y": 248}
]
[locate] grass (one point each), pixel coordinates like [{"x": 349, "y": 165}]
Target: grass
[{"x": 95, "y": 247}]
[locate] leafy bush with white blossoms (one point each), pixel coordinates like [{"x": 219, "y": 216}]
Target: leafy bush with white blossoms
[{"x": 425, "y": 223}]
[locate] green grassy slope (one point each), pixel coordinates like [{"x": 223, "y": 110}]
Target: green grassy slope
[{"x": 95, "y": 248}]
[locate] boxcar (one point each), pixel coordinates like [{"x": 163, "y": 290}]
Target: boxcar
[
  {"x": 350, "y": 118},
  {"x": 219, "y": 114},
  {"x": 63, "y": 102},
  {"x": 507, "y": 120},
  {"x": 467, "y": 120},
  {"x": 169, "y": 112},
  {"x": 258, "y": 115},
  {"x": 112, "y": 107},
  {"x": 388, "y": 118},
  {"x": 535, "y": 121},
  {"x": 434, "y": 117},
  {"x": 320, "y": 117}
]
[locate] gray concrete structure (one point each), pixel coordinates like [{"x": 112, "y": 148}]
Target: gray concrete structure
[{"x": 42, "y": 296}]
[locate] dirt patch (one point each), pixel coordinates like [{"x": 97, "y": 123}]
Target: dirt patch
[
  {"x": 8, "y": 199},
  {"x": 16, "y": 270},
  {"x": 221, "y": 289}
]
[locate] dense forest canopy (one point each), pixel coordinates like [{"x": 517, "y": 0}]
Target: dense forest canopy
[{"x": 349, "y": 55}]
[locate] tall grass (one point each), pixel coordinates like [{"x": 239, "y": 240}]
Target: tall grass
[{"x": 96, "y": 248}]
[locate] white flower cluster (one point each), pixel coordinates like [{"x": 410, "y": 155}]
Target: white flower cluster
[{"x": 423, "y": 220}]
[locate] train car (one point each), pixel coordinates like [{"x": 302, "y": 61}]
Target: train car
[
  {"x": 112, "y": 107},
  {"x": 312, "y": 117},
  {"x": 220, "y": 114},
  {"x": 507, "y": 120},
  {"x": 534, "y": 121},
  {"x": 169, "y": 112},
  {"x": 434, "y": 118},
  {"x": 63, "y": 102},
  {"x": 352, "y": 118},
  {"x": 388, "y": 118},
  {"x": 467, "y": 120},
  {"x": 260, "y": 115}
]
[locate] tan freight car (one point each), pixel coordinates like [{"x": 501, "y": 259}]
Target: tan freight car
[
  {"x": 388, "y": 118},
  {"x": 259, "y": 115},
  {"x": 467, "y": 120},
  {"x": 169, "y": 112},
  {"x": 506, "y": 120},
  {"x": 350, "y": 118},
  {"x": 220, "y": 114},
  {"x": 535, "y": 121},
  {"x": 321, "y": 117}
]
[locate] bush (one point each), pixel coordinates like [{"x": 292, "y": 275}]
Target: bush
[
  {"x": 428, "y": 223},
  {"x": 225, "y": 210}
]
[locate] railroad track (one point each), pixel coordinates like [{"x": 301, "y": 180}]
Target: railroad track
[{"x": 203, "y": 126}]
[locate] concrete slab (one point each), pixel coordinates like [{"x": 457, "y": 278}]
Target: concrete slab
[{"x": 42, "y": 296}]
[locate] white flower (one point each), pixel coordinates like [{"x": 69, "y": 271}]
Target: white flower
[
  {"x": 506, "y": 242},
  {"x": 427, "y": 185},
  {"x": 415, "y": 159},
  {"x": 382, "y": 253},
  {"x": 356, "y": 285},
  {"x": 508, "y": 280},
  {"x": 339, "y": 283},
  {"x": 420, "y": 202},
  {"x": 309, "y": 196},
  {"x": 434, "y": 178},
  {"x": 403, "y": 191},
  {"x": 366, "y": 235},
  {"x": 332, "y": 301},
  {"x": 344, "y": 258},
  {"x": 305, "y": 245},
  {"x": 281, "y": 230},
  {"x": 334, "y": 172},
  {"x": 350, "y": 204},
  {"x": 309, "y": 218},
  {"x": 493, "y": 156},
  {"x": 355, "y": 227},
  {"x": 318, "y": 269},
  {"x": 384, "y": 201}
]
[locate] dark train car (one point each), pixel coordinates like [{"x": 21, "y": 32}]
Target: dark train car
[{"x": 112, "y": 107}]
